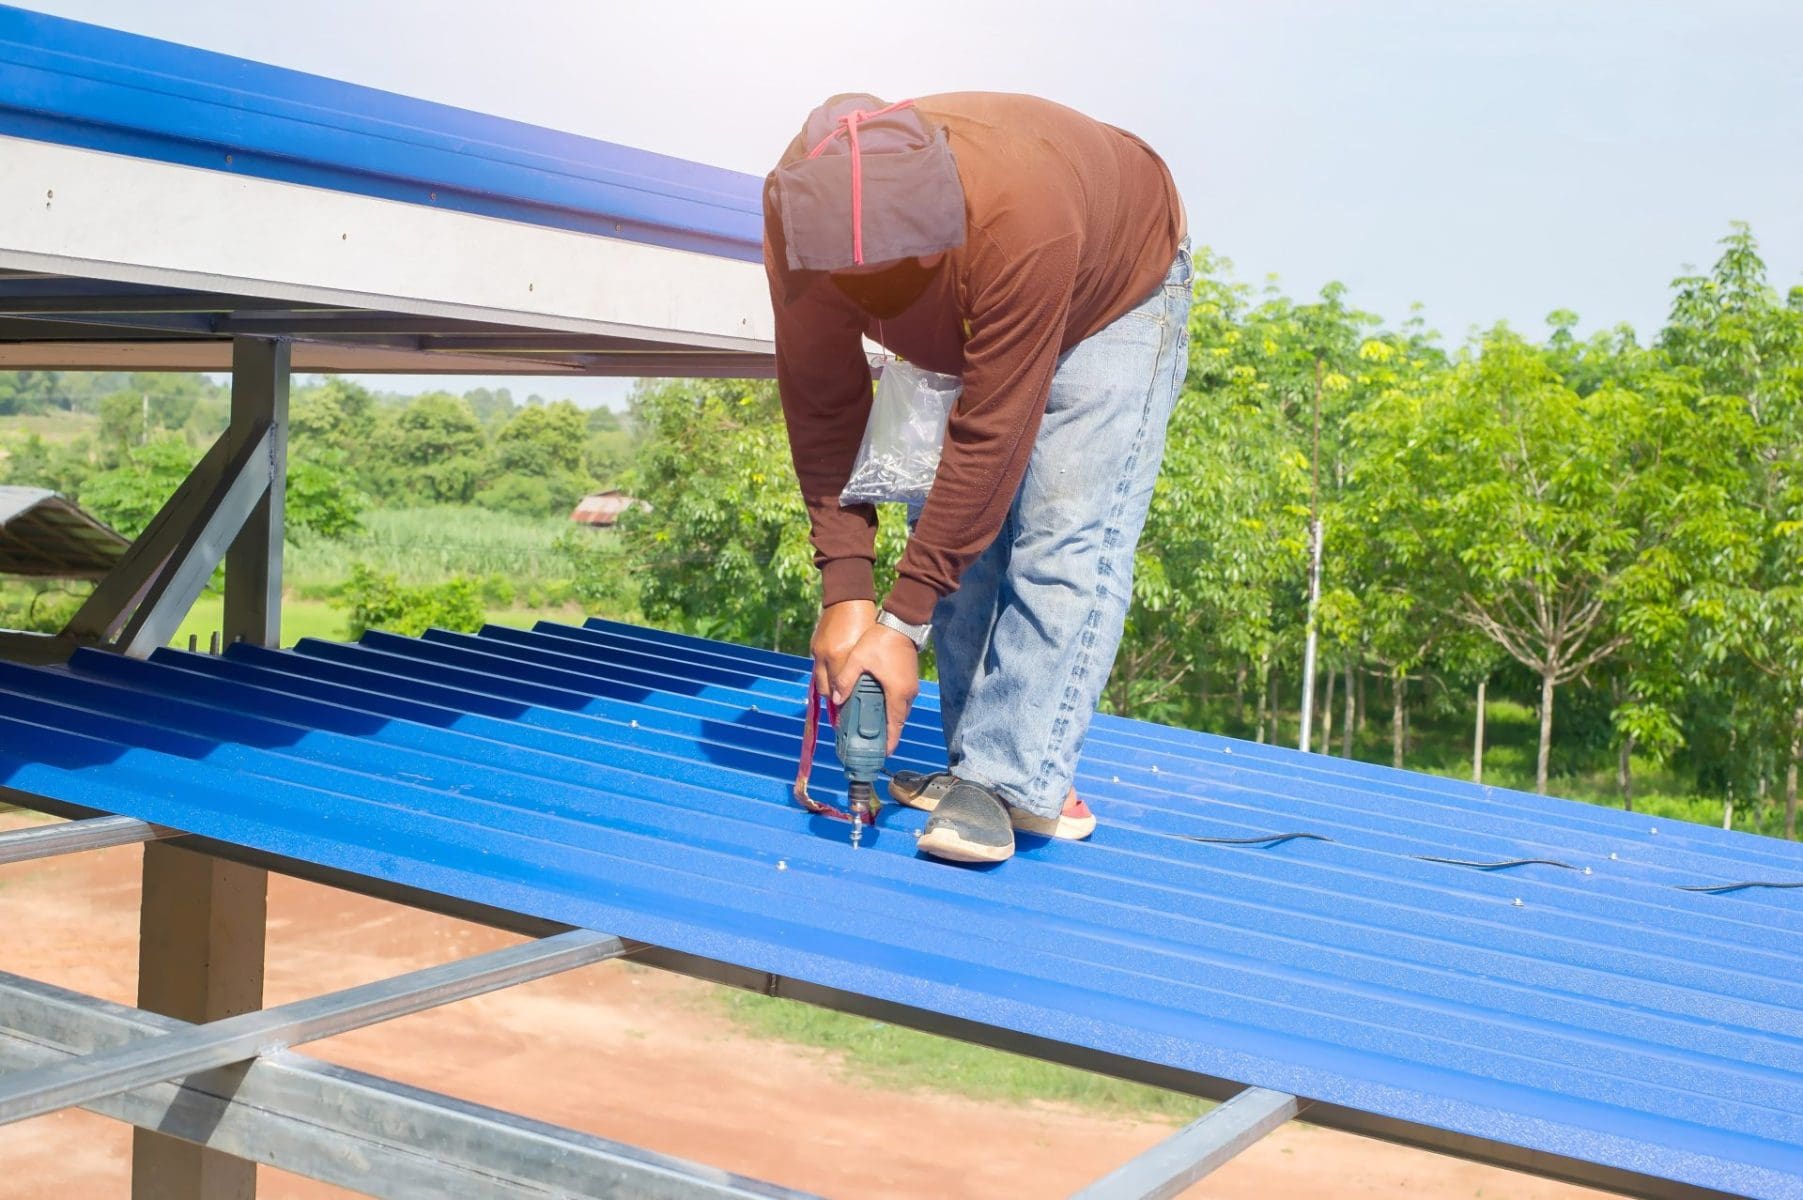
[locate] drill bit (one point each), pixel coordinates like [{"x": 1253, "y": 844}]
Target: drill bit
[
  {"x": 861, "y": 796},
  {"x": 861, "y": 738}
]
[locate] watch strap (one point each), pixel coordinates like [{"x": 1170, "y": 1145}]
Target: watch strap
[{"x": 918, "y": 634}]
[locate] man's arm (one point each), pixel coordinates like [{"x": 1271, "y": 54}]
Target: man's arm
[
  {"x": 824, "y": 381},
  {"x": 1017, "y": 321}
]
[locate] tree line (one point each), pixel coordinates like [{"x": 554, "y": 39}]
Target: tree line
[{"x": 349, "y": 447}]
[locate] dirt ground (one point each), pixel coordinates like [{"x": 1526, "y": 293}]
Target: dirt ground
[{"x": 631, "y": 1054}]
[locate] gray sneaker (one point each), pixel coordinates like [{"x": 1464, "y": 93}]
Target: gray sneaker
[
  {"x": 969, "y": 825},
  {"x": 920, "y": 791},
  {"x": 1073, "y": 824}
]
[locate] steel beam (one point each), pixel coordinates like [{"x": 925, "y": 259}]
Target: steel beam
[
  {"x": 346, "y": 1128},
  {"x": 98, "y": 326},
  {"x": 35, "y": 649},
  {"x": 233, "y": 503},
  {"x": 241, "y": 1038},
  {"x": 1197, "y": 1149},
  {"x": 67, "y": 837},
  {"x": 315, "y": 323},
  {"x": 253, "y": 566},
  {"x": 70, "y": 299},
  {"x": 107, "y": 608}
]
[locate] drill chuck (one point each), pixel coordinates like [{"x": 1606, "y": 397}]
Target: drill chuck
[{"x": 862, "y": 740}]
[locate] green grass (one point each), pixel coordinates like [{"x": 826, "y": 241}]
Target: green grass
[
  {"x": 1442, "y": 746},
  {"x": 55, "y": 428},
  {"x": 304, "y": 618},
  {"x": 522, "y": 576},
  {"x": 429, "y": 545},
  {"x": 891, "y": 1057},
  {"x": 300, "y": 619}
]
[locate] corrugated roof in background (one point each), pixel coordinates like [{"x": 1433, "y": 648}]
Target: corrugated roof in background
[
  {"x": 46, "y": 536},
  {"x": 621, "y": 779}
]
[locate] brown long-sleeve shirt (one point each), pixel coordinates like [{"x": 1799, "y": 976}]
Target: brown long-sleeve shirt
[{"x": 1070, "y": 224}]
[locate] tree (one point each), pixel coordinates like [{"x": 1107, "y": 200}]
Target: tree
[
  {"x": 1223, "y": 541},
  {"x": 1562, "y": 520},
  {"x": 129, "y": 495},
  {"x": 1395, "y": 601},
  {"x": 610, "y": 446},
  {"x": 723, "y": 550},
  {"x": 320, "y": 499},
  {"x": 124, "y": 423},
  {"x": 33, "y": 462},
  {"x": 1742, "y": 347},
  {"x": 31, "y": 392},
  {"x": 722, "y": 547},
  {"x": 538, "y": 461},
  {"x": 434, "y": 450},
  {"x": 493, "y": 408}
]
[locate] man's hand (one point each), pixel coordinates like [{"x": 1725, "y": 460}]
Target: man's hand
[
  {"x": 838, "y": 630},
  {"x": 892, "y": 659}
]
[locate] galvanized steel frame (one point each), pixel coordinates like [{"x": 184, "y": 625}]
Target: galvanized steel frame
[
  {"x": 349, "y": 1129},
  {"x": 91, "y": 833},
  {"x": 1197, "y": 1149},
  {"x": 239, "y": 1039}
]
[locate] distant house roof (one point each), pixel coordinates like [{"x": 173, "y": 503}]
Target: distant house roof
[
  {"x": 47, "y": 536},
  {"x": 603, "y": 508}
]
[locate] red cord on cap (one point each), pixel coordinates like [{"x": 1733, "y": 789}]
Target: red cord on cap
[{"x": 848, "y": 125}]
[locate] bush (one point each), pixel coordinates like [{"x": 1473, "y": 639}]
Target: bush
[
  {"x": 378, "y": 601},
  {"x": 498, "y": 591},
  {"x": 321, "y": 500},
  {"x": 600, "y": 578},
  {"x": 38, "y": 607}
]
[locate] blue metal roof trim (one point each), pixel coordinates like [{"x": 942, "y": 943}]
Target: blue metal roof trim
[
  {"x": 637, "y": 782},
  {"x": 84, "y": 85}
]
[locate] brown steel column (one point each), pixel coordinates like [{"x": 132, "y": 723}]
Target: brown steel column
[
  {"x": 253, "y": 566},
  {"x": 202, "y": 920},
  {"x": 200, "y": 958}
]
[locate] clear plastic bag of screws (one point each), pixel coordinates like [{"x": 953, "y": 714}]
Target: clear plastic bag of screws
[{"x": 902, "y": 441}]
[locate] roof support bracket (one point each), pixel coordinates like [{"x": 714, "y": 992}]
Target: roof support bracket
[{"x": 1197, "y": 1149}]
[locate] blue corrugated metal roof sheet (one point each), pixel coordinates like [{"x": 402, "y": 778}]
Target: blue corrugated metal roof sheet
[
  {"x": 83, "y": 85},
  {"x": 637, "y": 782}
]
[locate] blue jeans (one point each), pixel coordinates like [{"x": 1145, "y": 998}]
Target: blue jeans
[{"x": 1027, "y": 641}]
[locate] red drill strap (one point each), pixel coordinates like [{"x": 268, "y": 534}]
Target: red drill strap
[{"x": 818, "y": 706}]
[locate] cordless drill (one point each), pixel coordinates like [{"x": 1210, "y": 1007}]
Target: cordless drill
[{"x": 862, "y": 740}]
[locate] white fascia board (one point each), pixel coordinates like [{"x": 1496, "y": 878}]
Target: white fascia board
[{"x": 84, "y": 213}]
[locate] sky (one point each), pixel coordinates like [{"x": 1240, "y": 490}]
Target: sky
[{"x": 1484, "y": 159}]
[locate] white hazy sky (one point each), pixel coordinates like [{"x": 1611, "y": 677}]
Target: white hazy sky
[{"x": 1484, "y": 158}]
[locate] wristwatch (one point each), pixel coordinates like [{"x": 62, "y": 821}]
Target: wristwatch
[{"x": 917, "y": 634}]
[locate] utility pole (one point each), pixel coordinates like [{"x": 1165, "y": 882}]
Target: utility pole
[
  {"x": 1477, "y": 741},
  {"x": 1314, "y": 575}
]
